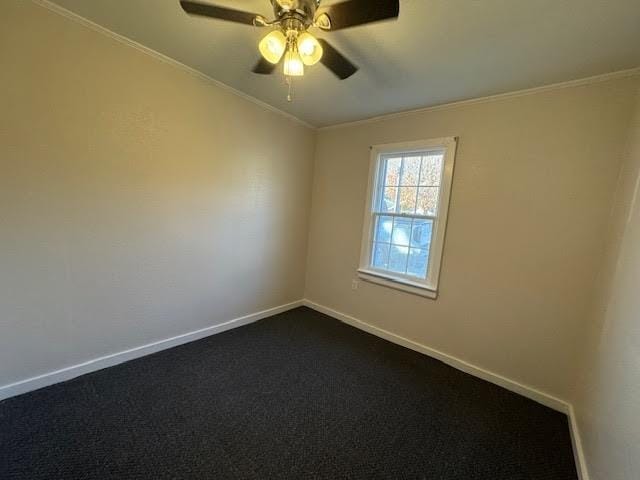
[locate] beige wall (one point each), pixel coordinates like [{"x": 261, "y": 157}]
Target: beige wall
[
  {"x": 137, "y": 201},
  {"x": 531, "y": 195},
  {"x": 608, "y": 394}
]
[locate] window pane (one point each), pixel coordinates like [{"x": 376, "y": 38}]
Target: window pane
[
  {"x": 407, "y": 199},
  {"x": 392, "y": 175},
  {"x": 380, "y": 255},
  {"x": 388, "y": 200},
  {"x": 384, "y": 226},
  {"x": 410, "y": 171},
  {"x": 431, "y": 170},
  {"x": 418, "y": 261},
  {"x": 421, "y": 233},
  {"x": 427, "y": 201},
  {"x": 401, "y": 231},
  {"x": 398, "y": 258}
]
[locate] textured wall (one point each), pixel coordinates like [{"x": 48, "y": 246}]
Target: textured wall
[
  {"x": 531, "y": 195},
  {"x": 137, "y": 201},
  {"x": 607, "y": 399}
]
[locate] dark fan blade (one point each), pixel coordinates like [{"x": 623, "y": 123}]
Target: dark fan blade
[
  {"x": 263, "y": 67},
  {"x": 336, "y": 62},
  {"x": 222, "y": 13},
  {"x": 358, "y": 12}
]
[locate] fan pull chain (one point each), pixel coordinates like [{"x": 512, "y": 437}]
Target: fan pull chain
[{"x": 289, "y": 81}]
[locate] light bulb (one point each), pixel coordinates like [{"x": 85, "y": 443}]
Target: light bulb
[
  {"x": 309, "y": 48},
  {"x": 272, "y": 46},
  {"x": 293, "y": 66}
]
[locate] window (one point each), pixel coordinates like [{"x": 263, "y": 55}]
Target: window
[{"x": 406, "y": 214}]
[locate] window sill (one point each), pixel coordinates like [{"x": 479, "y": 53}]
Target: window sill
[{"x": 397, "y": 283}]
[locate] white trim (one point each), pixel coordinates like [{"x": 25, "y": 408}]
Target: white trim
[
  {"x": 397, "y": 283},
  {"x": 164, "y": 58},
  {"x": 576, "y": 441},
  {"x": 444, "y": 106},
  {"x": 427, "y": 287},
  {"x": 73, "y": 371},
  {"x": 492, "y": 98},
  {"x": 532, "y": 393},
  {"x": 93, "y": 365},
  {"x": 495, "y": 378}
]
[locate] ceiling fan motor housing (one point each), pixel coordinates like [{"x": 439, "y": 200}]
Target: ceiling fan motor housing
[{"x": 295, "y": 11}]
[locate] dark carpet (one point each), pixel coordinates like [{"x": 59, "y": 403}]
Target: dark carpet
[{"x": 299, "y": 395}]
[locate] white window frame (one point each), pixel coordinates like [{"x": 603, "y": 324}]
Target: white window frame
[{"x": 429, "y": 286}]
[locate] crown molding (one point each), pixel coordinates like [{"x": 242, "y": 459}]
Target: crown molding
[
  {"x": 53, "y": 7},
  {"x": 493, "y": 98},
  {"x": 48, "y": 4}
]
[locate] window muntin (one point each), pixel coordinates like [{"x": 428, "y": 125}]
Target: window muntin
[{"x": 406, "y": 213}]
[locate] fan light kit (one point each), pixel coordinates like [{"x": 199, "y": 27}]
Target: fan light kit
[{"x": 290, "y": 43}]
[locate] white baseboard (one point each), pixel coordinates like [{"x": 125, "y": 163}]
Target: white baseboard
[
  {"x": 93, "y": 365},
  {"x": 73, "y": 371},
  {"x": 497, "y": 379},
  {"x": 576, "y": 441},
  {"x": 526, "y": 391}
]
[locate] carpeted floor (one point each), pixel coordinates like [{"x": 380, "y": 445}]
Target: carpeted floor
[{"x": 299, "y": 396}]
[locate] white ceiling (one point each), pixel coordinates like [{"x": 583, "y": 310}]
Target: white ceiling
[{"x": 438, "y": 51}]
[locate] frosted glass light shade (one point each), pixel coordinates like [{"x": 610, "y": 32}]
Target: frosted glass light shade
[
  {"x": 273, "y": 46},
  {"x": 309, "y": 48}
]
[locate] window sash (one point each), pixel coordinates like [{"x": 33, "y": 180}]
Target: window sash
[
  {"x": 377, "y": 212},
  {"x": 373, "y": 241},
  {"x": 405, "y": 215},
  {"x": 381, "y": 177}
]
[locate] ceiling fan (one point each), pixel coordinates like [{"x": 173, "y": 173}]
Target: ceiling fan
[{"x": 290, "y": 39}]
